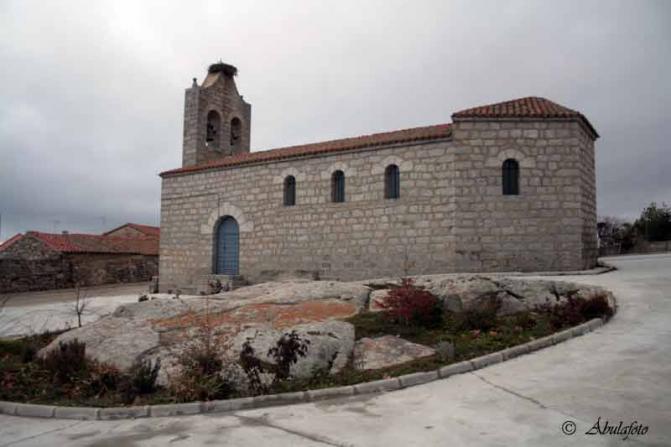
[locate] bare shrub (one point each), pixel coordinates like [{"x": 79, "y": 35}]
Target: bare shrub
[
  {"x": 204, "y": 375},
  {"x": 67, "y": 362}
]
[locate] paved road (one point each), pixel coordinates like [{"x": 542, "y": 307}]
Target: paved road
[
  {"x": 35, "y": 312},
  {"x": 621, "y": 372},
  {"x": 67, "y": 295}
]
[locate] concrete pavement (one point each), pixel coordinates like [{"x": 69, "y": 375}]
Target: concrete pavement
[{"x": 620, "y": 372}]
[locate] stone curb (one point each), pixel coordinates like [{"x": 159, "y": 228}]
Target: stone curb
[
  {"x": 376, "y": 386},
  {"x": 418, "y": 378}
]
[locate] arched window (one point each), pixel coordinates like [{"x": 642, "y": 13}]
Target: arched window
[
  {"x": 392, "y": 182},
  {"x": 511, "y": 177},
  {"x": 338, "y": 186},
  {"x": 235, "y": 131},
  {"x": 213, "y": 129},
  {"x": 290, "y": 191}
]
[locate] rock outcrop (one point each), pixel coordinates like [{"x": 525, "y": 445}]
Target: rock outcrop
[
  {"x": 464, "y": 292},
  {"x": 385, "y": 351},
  {"x": 164, "y": 328}
]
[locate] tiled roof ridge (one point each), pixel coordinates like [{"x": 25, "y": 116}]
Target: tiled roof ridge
[
  {"x": 72, "y": 243},
  {"x": 148, "y": 230}
]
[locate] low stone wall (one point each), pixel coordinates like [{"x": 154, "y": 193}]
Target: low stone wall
[
  {"x": 24, "y": 275},
  {"x": 21, "y": 275},
  {"x": 95, "y": 269}
]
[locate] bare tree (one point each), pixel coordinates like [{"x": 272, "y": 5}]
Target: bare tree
[
  {"x": 80, "y": 304},
  {"x": 4, "y": 300}
]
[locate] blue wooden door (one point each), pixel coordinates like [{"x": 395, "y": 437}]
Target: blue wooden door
[{"x": 228, "y": 247}]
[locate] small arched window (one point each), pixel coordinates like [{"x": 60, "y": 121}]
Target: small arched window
[
  {"x": 235, "y": 131},
  {"x": 392, "y": 182},
  {"x": 290, "y": 191},
  {"x": 338, "y": 186},
  {"x": 213, "y": 129},
  {"x": 511, "y": 177}
]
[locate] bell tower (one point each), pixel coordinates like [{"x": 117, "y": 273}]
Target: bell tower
[{"x": 217, "y": 120}]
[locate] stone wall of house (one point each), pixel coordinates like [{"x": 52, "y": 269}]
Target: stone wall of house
[
  {"x": 64, "y": 271},
  {"x": 94, "y": 269},
  {"x": 29, "y": 248},
  {"x": 451, "y": 215},
  {"x": 30, "y": 265},
  {"x": 22, "y": 275}
]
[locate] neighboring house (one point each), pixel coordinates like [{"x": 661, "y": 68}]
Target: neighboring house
[
  {"x": 133, "y": 230},
  {"x": 42, "y": 261},
  {"x": 503, "y": 187}
]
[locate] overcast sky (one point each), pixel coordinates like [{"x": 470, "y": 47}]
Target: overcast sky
[{"x": 92, "y": 92}]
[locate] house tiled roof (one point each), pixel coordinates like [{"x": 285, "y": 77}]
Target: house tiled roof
[
  {"x": 530, "y": 107},
  {"x": 5, "y": 245},
  {"x": 147, "y": 230},
  {"x": 93, "y": 243},
  {"x": 379, "y": 139}
]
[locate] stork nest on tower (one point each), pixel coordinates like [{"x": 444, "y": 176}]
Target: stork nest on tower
[{"x": 220, "y": 67}]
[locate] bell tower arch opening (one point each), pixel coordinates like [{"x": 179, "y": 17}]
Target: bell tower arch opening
[{"x": 217, "y": 119}]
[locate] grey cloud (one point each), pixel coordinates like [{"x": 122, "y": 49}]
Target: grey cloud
[{"x": 91, "y": 93}]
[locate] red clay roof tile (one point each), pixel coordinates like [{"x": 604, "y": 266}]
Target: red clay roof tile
[
  {"x": 94, "y": 243},
  {"x": 5, "y": 245},
  {"x": 379, "y": 139},
  {"x": 530, "y": 107}
]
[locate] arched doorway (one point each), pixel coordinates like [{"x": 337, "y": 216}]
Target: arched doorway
[{"x": 227, "y": 247}]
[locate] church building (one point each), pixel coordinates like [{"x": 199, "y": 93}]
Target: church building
[{"x": 502, "y": 187}]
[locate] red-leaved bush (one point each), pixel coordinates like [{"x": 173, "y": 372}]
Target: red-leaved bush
[{"x": 412, "y": 305}]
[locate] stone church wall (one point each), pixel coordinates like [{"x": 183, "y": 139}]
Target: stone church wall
[
  {"x": 451, "y": 215},
  {"x": 551, "y": 224}
]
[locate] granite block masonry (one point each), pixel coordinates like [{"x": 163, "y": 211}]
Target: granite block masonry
[{"x": 226, "y": 210}]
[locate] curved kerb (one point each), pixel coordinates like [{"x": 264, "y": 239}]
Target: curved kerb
[{"x": 215, "y": 406}]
